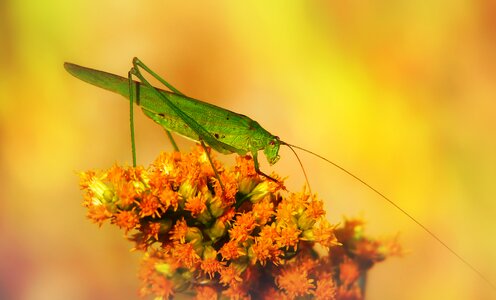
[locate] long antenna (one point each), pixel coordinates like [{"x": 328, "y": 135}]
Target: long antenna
[
  {"x": 301, "y": 165},
  {"x": 434, "y": 236}
]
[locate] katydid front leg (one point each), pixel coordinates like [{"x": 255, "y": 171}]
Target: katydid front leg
[
  {"x": 131, "y": 115},
  {"x": 257, "y": 167}
]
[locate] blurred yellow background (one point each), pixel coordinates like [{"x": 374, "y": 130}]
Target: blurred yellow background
[{"x": 401, "y": 93}]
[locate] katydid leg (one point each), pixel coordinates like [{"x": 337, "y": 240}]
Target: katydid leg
[
  {"x": 257, "y": 168},
  {"x": 168, "y": 85},
  {"x": 131, "y": 116},
  {"x": 137, "y": 62},
  {"x": 212, "y": 164},
  {"x": 131, "y": 100},
  {"x": 171, "y": 139}
]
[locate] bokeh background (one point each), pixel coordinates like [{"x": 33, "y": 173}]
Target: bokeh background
[{"x": 400, "y": 92}]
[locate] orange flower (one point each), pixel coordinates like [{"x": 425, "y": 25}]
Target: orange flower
[
  {"x": 298, "y": 200},
  {"x": 229, "y": 276},
  {"x": 197, "y": 167},
  {"x": 178, "y": 233},
  {"x": 209, "y": 261},
  {"x": 236, "y": 292},
  {"x": 345, "y": 293},
  {"x": 139, "y": 177},
  {"x": 185, "y": 254},
  {"x": 85, "y": 179},
  {"x": 230, "y": 188},
  {"x": 126, "y": 219},
  {"x": 126, "y": 194},
  {"x": 245, "y": 166},
  {"x": 211, "y": 266},
  {"x": 159, "y": 286},
  {"x": 196, "y": 205},
  {"x": 277, "y": 185},
  {"x": 326, "y": 288},
  {"x": 98, "y": 214},
  {"x": 315, "y": 209},
  {"x": 348, "y": 271},
  {"x": 117, "y": 174},
  {"x": 149, "y": 206},
  {"x": 368, "y": 251},
  {"x": 152, "y": 229},
  {"x": 264, "y": 250},
  {"x": 230, "y": 250},
  {"x": 206, "y": 293},
  {"x": 228, "y": 215},
  {"x": 308, "y": 263},
  {"x": 154, "y": 283},
  {"x": 166, "y": 167},
  {"x": 263, "y": 211},
  {"x": 243, "y": 226},
  {"x": 288, "y": 237},
  {"x": 295, "y": 282},
  {"x": 267, "y": 238},
  {"x": 98, "y": 190},
  {"x": 324, "y": 234},
  {"x": 352, "y": 230},
  {"x": 287, "y": 210},
  {"x": 168, "y": 198}
]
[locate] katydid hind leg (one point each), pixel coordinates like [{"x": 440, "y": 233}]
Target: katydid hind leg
[
  {"x": 202, "y": 133},
  {"x": 138, "y": 62},
  {"x": 136, "y": 94}
]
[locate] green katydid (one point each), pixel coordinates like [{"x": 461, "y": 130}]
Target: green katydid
[{"x": 222, "y": 130}]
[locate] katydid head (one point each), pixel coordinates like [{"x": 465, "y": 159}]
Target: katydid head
[{"x": 271, "y": 150}]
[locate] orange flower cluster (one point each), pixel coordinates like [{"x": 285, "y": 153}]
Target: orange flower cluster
[{"x": 245, "y": 237}]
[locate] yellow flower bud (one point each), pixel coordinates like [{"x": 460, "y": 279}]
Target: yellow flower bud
[
  {"x": 165, "y": 226},
  {"x": 217, "y": 230},
  {"x": 209, "y": 252},
  {"x": 186, "y": 190},
  {"x": 240, "y": 265},
  {"x": 308, "y": 235},
  {"x": 305, "y": 222},
  {"x": 164, "y": 268},
  {"x": 194, "y": 235},
  {"x": 205, "y": 217},
  {"x": 215, "y": 206},
  {"x": 246, "y": 185},
  {"x": 102, "y": 194},
  {"x": 259, "y": 192}
]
